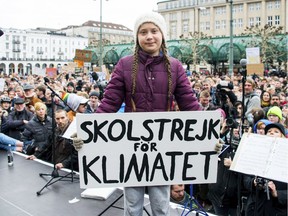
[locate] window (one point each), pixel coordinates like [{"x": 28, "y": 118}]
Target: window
[
  {"x": 277, "y": 4},
  {"x": 217, "y": 24},
  {"x": 258, "y": 6},
  {"x": 173, "y": 16},
  {"x": 269, "y": 5},
  {"x": 223, "y": 24},
  {"x": 185, "y": 15},
  {"x": 185, "y": 26},
  {"x": 258, "y": 21},
  {"x": 251, "y": 21},
  {"x": 240, "y": 22},
  {"x": 7, "y": 45},
  {"x": 270, "y": 20},
  {"x": 240, "y": 8},
  {"x": 277, "y": 20},
  {"x": 207, "y": 25},
  {"x": 202, "y": 26},
  {"x": 251, "y": 7}
]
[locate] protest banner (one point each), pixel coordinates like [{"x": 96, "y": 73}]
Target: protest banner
[{"x": 153, "y": 148}]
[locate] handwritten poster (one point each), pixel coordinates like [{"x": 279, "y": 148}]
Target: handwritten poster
[{"x": 155, "y": 148}]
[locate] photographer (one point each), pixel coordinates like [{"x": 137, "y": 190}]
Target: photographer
[{"x": 267, "y": 197}]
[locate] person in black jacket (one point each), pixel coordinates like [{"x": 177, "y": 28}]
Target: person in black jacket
[
  {"x": 17, "y": 119},
  {"x": 39, "y": 129},
  {"x": 65, "y": 154},
  {"x": 267, "y": 197}
]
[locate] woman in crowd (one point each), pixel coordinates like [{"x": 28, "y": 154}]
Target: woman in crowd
[
  {"x": 265, "y": 99},
  {"x": 39, "y": 129}
]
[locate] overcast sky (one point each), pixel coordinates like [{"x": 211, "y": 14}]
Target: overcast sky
[{"x": 23, "y": 14}]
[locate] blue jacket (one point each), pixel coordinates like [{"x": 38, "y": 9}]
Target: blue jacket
[{"x": 151, "y": 86}]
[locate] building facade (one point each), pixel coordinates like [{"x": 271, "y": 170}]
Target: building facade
[
  {"x": 111, "y": 33},
  {"x": 212, "y": 17},
  {"x": 23, "y": 50}
]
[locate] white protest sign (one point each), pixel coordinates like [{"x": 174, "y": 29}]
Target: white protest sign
[
  {"x": 155, "y": 148},
  {"x": 262, "y": 155},
  {"x": 2, "y": 84}
]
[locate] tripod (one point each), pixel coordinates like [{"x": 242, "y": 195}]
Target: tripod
[
  {"x": 55, "y": 177},
  {"x": 193, "y": 205}
]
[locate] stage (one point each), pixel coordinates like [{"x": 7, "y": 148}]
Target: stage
[{"x": 20, "y": 183}]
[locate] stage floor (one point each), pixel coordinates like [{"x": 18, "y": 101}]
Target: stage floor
[{"x": 20, "y": 183}]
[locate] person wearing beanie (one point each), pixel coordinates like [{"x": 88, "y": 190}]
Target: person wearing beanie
[
  {"x": 260, "y": 125},
  {"x": 275, "y": 130},
  {"x": 148, "y": 81},
  {"x": 274, "y": 114},
  {"x": 94, "y": 102}
]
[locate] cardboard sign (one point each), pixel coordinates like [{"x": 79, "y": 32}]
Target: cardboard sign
[
  {"x": 255, "y": 69},
  {"x": 155, "y": 148},
  {"x": 51, "y": 72},
  {"x": 83, "y": 55}
]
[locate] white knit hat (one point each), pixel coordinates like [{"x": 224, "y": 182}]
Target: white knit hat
[{"x": 152, "y": 17}]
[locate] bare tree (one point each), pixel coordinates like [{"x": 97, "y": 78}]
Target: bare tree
[
  {"x": 270, "y": 40},
  {"x": 192, "y": 48}
]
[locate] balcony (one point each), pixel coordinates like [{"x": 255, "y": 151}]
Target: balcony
[
  {"x": 40, "y": 52},
  {"x": 60, "y": 53}
]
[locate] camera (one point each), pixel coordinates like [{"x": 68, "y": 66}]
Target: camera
[
  {"x": 225, "y": 85},
  {"x": 231, "y": 122},
  {"x": 261, "y": 182}
]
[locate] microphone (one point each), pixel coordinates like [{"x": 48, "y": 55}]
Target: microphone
[
  {"x": 243, "y": 63},
  {"x": 46, "y": 80},
  {"x": 1, "y": 32}
]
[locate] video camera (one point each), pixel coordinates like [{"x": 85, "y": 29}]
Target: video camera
[{"x": 225, "y": 85}]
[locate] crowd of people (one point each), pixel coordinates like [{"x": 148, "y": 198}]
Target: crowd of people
[{"x": 150, "y": 81}]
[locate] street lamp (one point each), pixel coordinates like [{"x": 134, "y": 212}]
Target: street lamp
[
  {"x": 100, "y": 36},
  {"x": 231, "y": 38}
]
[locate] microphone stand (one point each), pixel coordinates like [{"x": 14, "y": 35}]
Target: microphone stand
[
  {"x": 243, "y": 63},
  {"x": 55, "y": 177}
]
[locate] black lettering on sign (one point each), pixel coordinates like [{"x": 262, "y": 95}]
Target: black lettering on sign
[
  {"x": 207, "y": 162},
  {"x": 173, "y": 162}
]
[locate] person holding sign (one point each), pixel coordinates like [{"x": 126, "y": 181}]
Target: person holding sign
[
  {"x": 148, "y": 81},
  {"x": 267, "y": 197}
]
